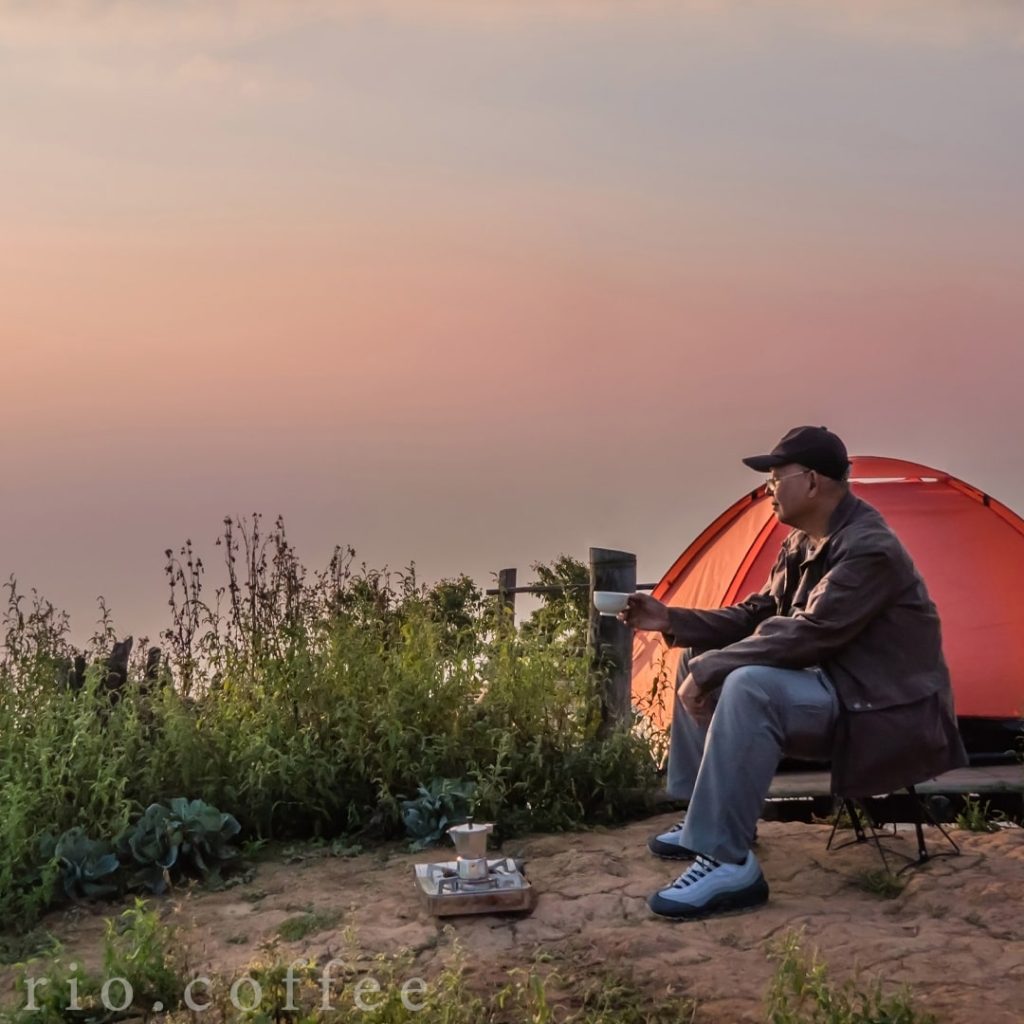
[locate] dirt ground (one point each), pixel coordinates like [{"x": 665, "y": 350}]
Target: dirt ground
[{"x": 955, "y": 933}]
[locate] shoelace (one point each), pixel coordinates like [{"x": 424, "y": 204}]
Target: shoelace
[{"x": 700, "y": 868}]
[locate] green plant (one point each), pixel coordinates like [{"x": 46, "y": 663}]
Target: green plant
[
  {"x": 254, "y": 848},
  {"x": 802, "y": 992},
  {"x": 563, "y": 618},
  {"x": 294, "y": 928},
  {"x": 606, "y": 995},
  {"x": 341, "y": 848},
  {"x": 140, "y": 947},
  {"x": 16, "y": 948},
  {"x": 47, "y": 989},
  {"x": 448, "y": 997},
  {"x": 137, "y": 947},
  {"x": 977, "y": 816},
  {"x": 206, "y": 834},
  {"x": 87, "y": 865},
  {"x": 309, "y": 705},
  {"x": 353, "y": 989},
  {"x": 439, "y": 805},
  {"x": 879, "y": 882},
  {"x": 186, "y": 835},
  {"x": 839, "y": 818},
  {"x": 152, "y": 845}
]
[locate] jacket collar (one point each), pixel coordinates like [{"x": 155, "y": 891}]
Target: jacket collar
[{"x": 841, "y": 515}]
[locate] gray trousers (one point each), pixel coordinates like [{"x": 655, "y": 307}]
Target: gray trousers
[{"x": 725, "y": 769}]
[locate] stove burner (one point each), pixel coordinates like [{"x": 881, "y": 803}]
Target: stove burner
[
  {"x": 503, "y": 888},
  {"x": 452, "y": 883}
]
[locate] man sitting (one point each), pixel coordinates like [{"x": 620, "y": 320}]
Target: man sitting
[{"x": 838, "y": 657}]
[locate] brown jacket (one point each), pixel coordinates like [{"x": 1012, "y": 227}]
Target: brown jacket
[{"x": 853, "y": 604}]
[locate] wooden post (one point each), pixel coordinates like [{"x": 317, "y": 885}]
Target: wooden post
[
  {"x": 611, "y": 642},
  {"x": 507, "y": 594}
]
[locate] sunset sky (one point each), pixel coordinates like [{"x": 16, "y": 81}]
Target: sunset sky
[{"x": 478, "y": 283}]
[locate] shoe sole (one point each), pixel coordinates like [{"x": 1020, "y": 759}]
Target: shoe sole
[
  {"x": 668, "y": 851},
  {"x": 683, "y": 854},
  {"x": 728, "y": 903}
]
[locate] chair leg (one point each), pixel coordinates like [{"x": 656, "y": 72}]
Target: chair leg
[
  {"x": 876, "y": 840},
  {"x": 851, "y": 812},
  {"x": 859, "y": 832},
  {"x": 858, "y": 827},
  {"x": 922, "y": 814}
]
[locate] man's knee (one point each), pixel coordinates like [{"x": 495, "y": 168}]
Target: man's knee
[{"x": 748, "y": 682}]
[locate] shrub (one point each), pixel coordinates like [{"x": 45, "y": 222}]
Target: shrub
[{"x": 309, "y": 706}]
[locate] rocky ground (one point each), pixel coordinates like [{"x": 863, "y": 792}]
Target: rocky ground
[{"x": 955, "y": 934}]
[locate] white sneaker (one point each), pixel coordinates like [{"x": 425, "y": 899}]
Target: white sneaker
[
  {"x": 709, "y": 887},
  {"x": 669, "y": 845}
]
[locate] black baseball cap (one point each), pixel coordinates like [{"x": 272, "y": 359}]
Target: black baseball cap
[{"x": 816, "y": 448}]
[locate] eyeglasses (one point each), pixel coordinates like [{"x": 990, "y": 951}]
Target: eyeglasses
[{"x": 771, "y": 485}]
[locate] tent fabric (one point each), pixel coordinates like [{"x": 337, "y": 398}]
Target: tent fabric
[{"x": 968, "y": 547}]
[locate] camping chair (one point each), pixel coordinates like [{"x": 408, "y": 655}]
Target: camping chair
[{"x": 922, "y": 813}]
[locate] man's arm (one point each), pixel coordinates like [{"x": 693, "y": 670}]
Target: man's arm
[
  {"x": 705, "y": 629},
  {"x": 692, "y": 627},
  {"x": 846, "y": 599}
]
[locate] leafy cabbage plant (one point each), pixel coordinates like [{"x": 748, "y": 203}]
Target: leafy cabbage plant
[
  {"x": 184, "y": 837},
  {"x": 87, "y": 866},
  {"x": 445, "y": 802}
]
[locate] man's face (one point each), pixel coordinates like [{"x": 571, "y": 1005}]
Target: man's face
[{"x": 789, "y": 487}]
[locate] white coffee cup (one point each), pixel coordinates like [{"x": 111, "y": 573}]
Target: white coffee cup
[{"x": 610, "y": 602}]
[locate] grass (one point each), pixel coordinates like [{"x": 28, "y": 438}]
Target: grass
[
  {"x": 977, "y": 816},
  {"x": 298, "y": 927},
  {"x": 137, "y": 947},
  {"x": 16, "y": 948},
  {"x": 840, "y": 818},
  {"x": 803, "y": 992},
  {"x": 881, "y": 883},
  {"x": 309, "y": 706},
  {"x": 149, "y": 955}
]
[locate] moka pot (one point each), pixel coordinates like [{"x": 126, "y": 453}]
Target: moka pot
[{"x": 471, "y": 845}]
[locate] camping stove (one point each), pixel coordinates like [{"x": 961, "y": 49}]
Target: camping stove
[{"x": 472, "y": 884}]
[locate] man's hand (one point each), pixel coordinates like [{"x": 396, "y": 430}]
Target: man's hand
[
  {"x": 697, "y": 704},
  {"x": 644, "y": 612}
]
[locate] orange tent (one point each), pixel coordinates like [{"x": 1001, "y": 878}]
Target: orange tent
[{"x": 968, "y": 547}]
